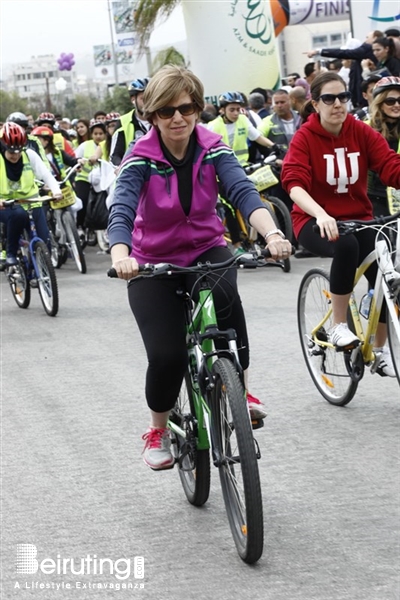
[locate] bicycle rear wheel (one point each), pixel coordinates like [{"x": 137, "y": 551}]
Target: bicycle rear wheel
[
  {"x": 194, "y": 464},
  {"x": 394, "y": 336},
  {"x": 47, "y": 281},
  {"x": 18, "y": 279},
  {"x": 326, "y": 366},
  {"x": 235, "y": 455},
  {"x": 281, "y": 216},
  {"x": 74, "y": 242}
]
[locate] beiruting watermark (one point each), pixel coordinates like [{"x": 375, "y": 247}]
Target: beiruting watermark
[{"x": 121, "y": 569}]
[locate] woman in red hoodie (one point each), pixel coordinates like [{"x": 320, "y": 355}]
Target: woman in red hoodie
[{"x": 325, "y": 173}]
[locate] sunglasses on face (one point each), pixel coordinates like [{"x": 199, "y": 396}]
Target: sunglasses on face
[
  {"x": 185, "y": 109},
  {"x": 391, "y": 101},
  {"x": 330, "y": 99}
]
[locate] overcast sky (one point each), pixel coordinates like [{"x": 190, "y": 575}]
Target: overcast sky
[{"x": 32, "y": 27}]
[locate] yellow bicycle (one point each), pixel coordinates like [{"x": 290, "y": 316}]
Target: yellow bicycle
[{"x": 336, "y": 372}]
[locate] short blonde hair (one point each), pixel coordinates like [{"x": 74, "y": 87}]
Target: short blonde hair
[{"x": 168, "y": 83}]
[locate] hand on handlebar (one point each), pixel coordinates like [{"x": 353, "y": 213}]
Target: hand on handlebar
[
  {"x": 126, "y": 268},
  {"x": 278, "y": 150},
  {"x": 328, "y": 227},
  {"x": 279, "y": 248}
]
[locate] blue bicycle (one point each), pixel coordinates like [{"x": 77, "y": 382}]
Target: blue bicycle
[{"x": 34, "y": 268}]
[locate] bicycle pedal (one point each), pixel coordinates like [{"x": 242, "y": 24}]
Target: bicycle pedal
[
  {"x": 257, "y": 423},
  {"x": 351, "y": 346}
]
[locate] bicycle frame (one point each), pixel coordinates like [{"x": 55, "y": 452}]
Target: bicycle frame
[
  {"x": 367, "y": 334},
  {"x": 202, "y": 329}
]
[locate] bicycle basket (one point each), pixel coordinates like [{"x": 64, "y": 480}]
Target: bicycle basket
[
  {"x": 68, "y": 199},
  {"x": 263, "y": 178}
]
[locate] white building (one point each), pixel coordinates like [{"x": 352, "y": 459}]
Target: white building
[
  {"x": 296, "y": 40},
  {"x": 37, "y": 78}
]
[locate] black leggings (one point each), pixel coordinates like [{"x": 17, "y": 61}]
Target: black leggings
[
  {"x": 159, "y": 313},
  {"x": 347, "y": 252}
]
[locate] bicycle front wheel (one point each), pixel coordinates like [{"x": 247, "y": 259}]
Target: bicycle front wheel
[
  {"x": 47, "y": 281},
  {"x": 235, "y": 455},
  {"x": 194, "y": 464},
  {"x": 74, "y": 242},
  {"x": 393, "y": 334},
  {"x": 326, "y": 366},
  {"x": 19, "y": 284}
]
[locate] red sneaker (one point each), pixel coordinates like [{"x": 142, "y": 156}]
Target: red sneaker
[
  {"x": 256, "y": 407},
  {"x": 157, "y": 449}
]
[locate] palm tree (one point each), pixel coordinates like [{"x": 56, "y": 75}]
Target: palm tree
[
  {"x": 168, "y": 56},
  {"x": 145, "y": 16}
]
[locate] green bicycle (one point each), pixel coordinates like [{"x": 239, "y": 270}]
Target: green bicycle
[{"x": 211, "y": 411}]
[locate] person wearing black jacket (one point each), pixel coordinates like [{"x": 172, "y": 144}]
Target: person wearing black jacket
[
  {"x": 385, "y": 53},
  {"x": 356, "y": 55}
]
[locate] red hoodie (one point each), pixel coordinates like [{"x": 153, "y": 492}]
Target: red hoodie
[{"x": 333, "y": 169}]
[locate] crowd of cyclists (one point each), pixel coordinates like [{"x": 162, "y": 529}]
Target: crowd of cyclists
[{"x": 326, "y": 138}]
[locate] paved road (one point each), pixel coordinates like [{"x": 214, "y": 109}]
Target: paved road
[{"x": 74, "y": 483}]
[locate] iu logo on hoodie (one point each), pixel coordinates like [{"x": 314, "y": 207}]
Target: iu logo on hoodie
[{"x": 340, "y": 164}]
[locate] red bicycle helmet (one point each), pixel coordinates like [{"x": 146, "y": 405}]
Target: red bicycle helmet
[
  {"x": 93, "y": 123},
  {"x": 386, "y": 83},
  {"x": 43, "y": 131},
  {"x": 46, "y": 117},
  {"x": 13, "y": 137},
  {"x": 113, "y": 116}
]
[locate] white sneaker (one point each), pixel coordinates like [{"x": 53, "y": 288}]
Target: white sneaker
[
  {"x": 341, "y": 336},
  {"x": 157, "y": 450},
  {"x": 385, "y": 366}
]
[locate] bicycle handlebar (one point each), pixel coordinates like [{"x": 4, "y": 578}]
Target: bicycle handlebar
[
  {"x": 70, "y": 172},
  {"x": 248, "y": 260},
  {"x": 249, "y": 169},
  {"x": 26, "y": 201},
  {"x": 346, "y": 227}
]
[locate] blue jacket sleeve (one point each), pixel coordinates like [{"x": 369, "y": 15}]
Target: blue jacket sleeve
[{"x": 129, "y": 184}]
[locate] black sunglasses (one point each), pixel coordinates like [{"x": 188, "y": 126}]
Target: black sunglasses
[
  {"x": 391, "y": 101},
  {"x": 185, "y": 109},
  {"x": 330, "y": 99}
]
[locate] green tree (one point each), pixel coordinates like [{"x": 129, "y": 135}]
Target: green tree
[
  {"x": 167, "y": 57},
  {"x": 11, "y": 102},
  {"x": 145, "y": 16},
  {"x": 117, "y": 101},
  {"x": 84, "y": 106}
]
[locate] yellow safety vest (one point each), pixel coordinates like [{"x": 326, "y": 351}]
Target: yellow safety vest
[
  {"x": 59, "y": 140},
  {"x": 25, "y": 188},
  {"x": 88, "y": 151},
  {"x": 127, "y": 127},
  {"x": 240, "y": 145},
  {"x": 42, "y": 153}
]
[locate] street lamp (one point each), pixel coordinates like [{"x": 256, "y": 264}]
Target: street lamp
[{"x": 61, "y": 86}]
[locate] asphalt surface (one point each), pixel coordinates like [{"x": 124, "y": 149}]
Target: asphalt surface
[{"x": 74, "y": 483}]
